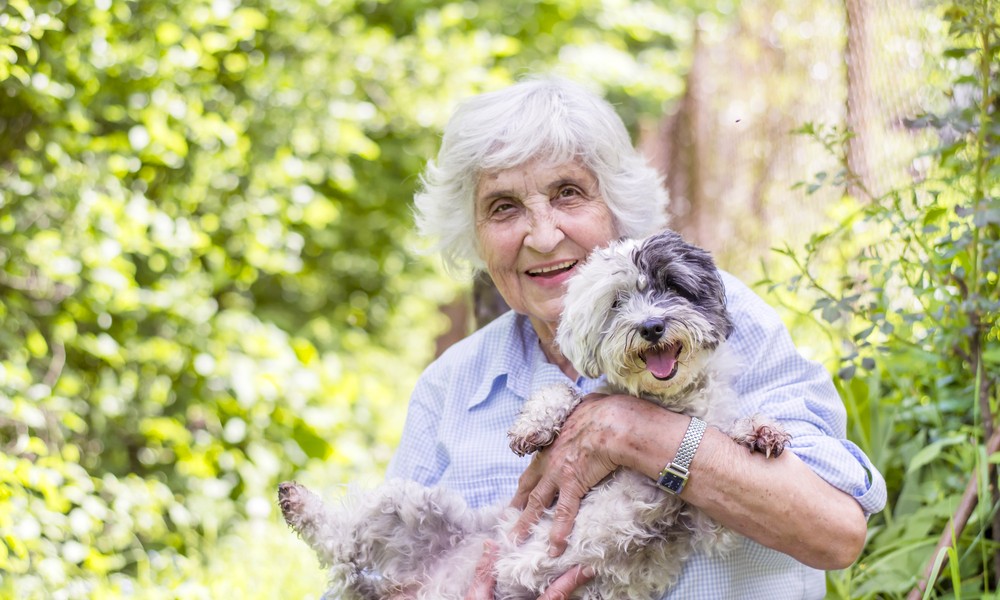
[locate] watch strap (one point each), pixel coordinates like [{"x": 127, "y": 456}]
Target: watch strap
[{"x": 674, "y": 476}]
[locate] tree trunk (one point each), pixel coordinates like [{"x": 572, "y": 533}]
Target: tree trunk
[
  {"x": 857, "y": 55},
  {"x": 678, "y": 153}
]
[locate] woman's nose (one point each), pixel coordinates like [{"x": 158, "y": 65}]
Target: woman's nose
[{"x": 544, "y": 232}]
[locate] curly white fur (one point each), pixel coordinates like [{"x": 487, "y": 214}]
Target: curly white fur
[{"x": 630, "y": 303}]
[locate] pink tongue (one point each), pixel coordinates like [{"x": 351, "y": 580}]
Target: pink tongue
[{"x": 661, "y": 363}]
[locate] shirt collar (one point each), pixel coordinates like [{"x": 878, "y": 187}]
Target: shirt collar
[
  {"x": 519, "y": 363},
  {"x": 512, "y": 357}
]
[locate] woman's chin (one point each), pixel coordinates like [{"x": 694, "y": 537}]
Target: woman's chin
[{"x": 545, "y": 315}]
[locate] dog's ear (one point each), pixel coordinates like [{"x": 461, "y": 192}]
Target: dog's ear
[
  {"x": 724, "y": 323},
  {"x": 590, "y": 368},
  {"x": 590, "y": 298},
  {"x": 677, "y": 266},
  {"x": 689, "y": 271},
  {"x": 578, "y": 351}
]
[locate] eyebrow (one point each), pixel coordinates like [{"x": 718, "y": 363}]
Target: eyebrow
[
  {"x": 496, "y": 194},
  {"x": 578, "y": 180},
  {"x": 568, "y": 180},
  {"x": 558, "y": 183}
]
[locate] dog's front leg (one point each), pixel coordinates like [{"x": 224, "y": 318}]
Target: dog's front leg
[{"x": 541, "y": 418}]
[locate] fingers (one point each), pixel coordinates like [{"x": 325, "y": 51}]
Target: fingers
[
  {"x": 566, "y": 510},
  {"x": 528, "y": 481},
  {"x": 569, "y": 495},
  {"x": 579, "y": 459},
  {"x": 567, "y": 583},
  {"x": 484, "y": 581},
  {"x": 537, "y": 499}
]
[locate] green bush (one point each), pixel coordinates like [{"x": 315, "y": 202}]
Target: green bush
[
  {"x": 207, "y": 276},
  {"x": 905, "y": 287},
  {"x": 198, "y": 299}
]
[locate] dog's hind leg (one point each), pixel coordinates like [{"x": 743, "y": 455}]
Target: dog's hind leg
[
  {"x": 541, "y": 418},
  {"x": 307, "y": 515},
  {"x": 382, "y": 541}
]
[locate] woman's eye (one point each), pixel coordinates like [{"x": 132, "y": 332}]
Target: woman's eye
[
  {"x": 501, "y": 207},
  {"x": 568, "y": 192}
]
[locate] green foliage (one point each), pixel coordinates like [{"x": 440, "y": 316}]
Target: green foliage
[
  {"x": 207, "y": 282},
  {"x": 912, "y": 315}
]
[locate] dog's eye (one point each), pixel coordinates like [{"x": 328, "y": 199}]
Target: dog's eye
[{"x": 673, "y": 286}]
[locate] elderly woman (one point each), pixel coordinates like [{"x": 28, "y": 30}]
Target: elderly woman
[{"x": 529, "y": 180}]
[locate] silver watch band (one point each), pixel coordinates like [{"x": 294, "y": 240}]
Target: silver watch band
[{"x": 673, "y": 476}]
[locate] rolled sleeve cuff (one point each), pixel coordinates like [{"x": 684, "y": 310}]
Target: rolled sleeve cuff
[{"x": 844, "y": 466}]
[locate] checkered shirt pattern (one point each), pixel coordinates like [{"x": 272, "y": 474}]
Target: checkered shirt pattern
[{"x": 456, "y": 433}]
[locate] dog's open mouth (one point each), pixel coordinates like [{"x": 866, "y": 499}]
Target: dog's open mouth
[{"x": 662, "y": 360}]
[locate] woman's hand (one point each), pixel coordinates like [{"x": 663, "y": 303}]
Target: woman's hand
[
  {"x": 567, "y": 583},
  {"x": 484, "y": 581},
  {"x": 586, "y": 451}
]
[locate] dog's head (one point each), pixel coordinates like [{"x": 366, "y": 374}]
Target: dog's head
[{"x": 646, "y": 313}]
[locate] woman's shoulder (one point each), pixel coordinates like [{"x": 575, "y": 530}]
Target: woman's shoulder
[{"x": 744, "y": 304}]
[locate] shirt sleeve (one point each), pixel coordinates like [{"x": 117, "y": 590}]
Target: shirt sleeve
[
  {"x": 420, "y": 457},
  {"x": 778, "y": 382}
]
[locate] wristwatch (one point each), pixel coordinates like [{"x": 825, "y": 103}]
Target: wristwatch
[{"x": 673, "y": 476}]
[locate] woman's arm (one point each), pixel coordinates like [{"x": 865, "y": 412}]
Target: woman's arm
[
  {"x": 780, "y": 503},
  {"x": 793, "y": 504}
]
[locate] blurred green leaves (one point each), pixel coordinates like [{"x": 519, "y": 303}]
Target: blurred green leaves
[{"x": 207, "y": 281}]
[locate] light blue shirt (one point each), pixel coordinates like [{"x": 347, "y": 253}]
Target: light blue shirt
[{"x": 463, "y": 404}]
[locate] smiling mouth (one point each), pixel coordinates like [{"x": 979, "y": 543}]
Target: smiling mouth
[
  {"x": 662, "y": 362},
  {"x": 553, "y": 270}
]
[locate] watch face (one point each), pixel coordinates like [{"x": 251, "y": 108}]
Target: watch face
[{"x": 674, "y": 483}]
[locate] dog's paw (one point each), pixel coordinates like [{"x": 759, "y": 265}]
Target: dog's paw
[
  {"x": 530, "y": 441},
  {"x": 291, "y": 498},
  {"x": 760, "y": 434},
  {"x": 541, "y": 418}
]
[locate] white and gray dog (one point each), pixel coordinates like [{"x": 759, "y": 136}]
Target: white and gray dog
[{"x": 650, "y": 315}]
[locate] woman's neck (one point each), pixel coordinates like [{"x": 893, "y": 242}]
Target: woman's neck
[{"x": 547, "y": 339}]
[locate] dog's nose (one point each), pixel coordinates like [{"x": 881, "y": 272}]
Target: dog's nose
[{"x": 652, "y": 330}]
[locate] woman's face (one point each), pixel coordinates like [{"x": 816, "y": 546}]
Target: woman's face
[{"x": 534, "y": 225}]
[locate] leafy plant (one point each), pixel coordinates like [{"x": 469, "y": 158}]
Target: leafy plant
[
  {"x": 913, "y": 317},
  {"x": 207, "y": 282}
]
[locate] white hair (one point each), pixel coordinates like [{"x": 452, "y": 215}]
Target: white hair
[{"x": 541, "y": 117}]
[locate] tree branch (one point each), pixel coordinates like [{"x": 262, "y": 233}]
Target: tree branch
[{"x": 958, "y": 522}]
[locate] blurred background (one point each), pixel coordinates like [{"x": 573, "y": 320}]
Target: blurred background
[{"x": 210, "y": 283}]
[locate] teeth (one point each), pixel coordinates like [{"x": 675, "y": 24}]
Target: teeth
[{"x": 549, "y": 269}]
